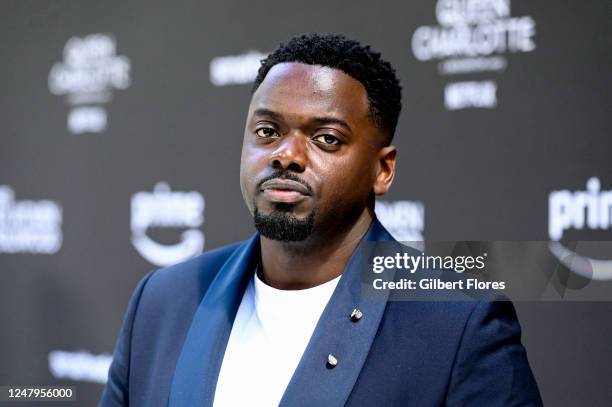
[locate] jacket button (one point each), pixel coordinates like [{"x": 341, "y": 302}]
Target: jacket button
[
  {"x": 356, "y": 315},
  {"x": 331, "y": 361}
]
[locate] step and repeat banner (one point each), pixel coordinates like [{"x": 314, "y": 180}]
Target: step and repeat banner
[{"x": 121, "y": 132}]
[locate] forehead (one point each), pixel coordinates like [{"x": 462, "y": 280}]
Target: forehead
[{"x": 296, "y": 89}]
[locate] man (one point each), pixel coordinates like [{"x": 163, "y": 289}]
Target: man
[{"x": 280, "y": 318}]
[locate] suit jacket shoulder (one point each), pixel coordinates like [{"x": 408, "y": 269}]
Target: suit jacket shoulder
[
  {"x": 155, "y": 325},
  {"x": 190, "y": 279}
]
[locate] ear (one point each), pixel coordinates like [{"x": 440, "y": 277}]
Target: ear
[{"x": 385, "y": 169}]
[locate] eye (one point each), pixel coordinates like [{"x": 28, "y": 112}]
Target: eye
[
  {"x": 327, "y": 139},
  {"x": 266, "y": 132}
]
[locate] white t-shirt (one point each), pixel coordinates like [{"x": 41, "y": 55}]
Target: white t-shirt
[{"x": 269, "y": 336}]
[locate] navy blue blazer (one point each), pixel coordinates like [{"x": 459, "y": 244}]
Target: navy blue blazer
[{"x": 401, "y": 353}]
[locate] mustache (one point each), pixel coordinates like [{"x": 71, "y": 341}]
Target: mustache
[{"x": 285, "y": 175}]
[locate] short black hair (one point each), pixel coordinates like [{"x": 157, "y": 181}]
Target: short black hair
[{"x": 353, "y": 58}]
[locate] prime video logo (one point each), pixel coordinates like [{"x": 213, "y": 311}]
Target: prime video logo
[
  {"x": 167, "y": 209},
  {"x": 589, "y": 209},
  {"x": 577, "y": 209}
]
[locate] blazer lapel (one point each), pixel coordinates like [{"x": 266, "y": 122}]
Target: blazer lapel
[
  {"x": 315, "y": 383},
  {"x": 198, "y": 365}
]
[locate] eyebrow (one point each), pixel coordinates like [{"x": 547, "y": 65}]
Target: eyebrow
[
  {"x": 267, "y": 112},
  {"x": 316, "y": 120}
]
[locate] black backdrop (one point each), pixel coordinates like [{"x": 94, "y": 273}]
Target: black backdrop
[{"x": 120, "y": 145}]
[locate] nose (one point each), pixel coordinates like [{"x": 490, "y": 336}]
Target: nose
[{"x": 290, "y": 154}]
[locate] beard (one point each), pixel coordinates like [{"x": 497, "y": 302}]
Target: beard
[{"x": 282, "y": 225}]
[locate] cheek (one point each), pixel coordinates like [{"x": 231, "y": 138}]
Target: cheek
[
  {"x": 248, "y": 172},
  {"x": 251, "y": 162},
  {"x": 348, "y": 182}
]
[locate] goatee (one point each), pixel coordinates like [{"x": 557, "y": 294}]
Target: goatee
[{"x": 282, "y": 225}]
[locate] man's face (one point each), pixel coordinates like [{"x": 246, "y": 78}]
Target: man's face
[{"x": 310, "y": 152}]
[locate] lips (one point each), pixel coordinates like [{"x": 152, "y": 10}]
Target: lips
[{"x": 284, "y": 190}]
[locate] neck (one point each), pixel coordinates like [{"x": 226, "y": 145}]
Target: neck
[{"x": 323, "y": 257}]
